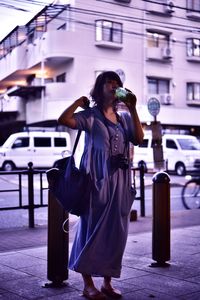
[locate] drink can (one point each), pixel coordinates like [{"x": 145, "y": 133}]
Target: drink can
[{"x": 120, "y": 92}]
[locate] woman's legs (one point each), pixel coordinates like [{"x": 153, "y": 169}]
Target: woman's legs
[
  {"x": 108, "y": 289},
  {"x": 88, "y": 281},
  {"x": 90, "y": 291},
  {"x": 107, "y": 282}
]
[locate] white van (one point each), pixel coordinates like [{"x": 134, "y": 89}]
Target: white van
[
  {"x": 43, "y": 149},
  {"x": 181, "y": 153}
]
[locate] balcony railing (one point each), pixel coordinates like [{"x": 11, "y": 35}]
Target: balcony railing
[
  {"x": 15, "y": 38},
  {"x": 32, "y": 30}
]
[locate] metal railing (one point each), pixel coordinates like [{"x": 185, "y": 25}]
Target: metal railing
[
  {"x": 28, "y": 201},
  {"x": 141, "y": 170}
]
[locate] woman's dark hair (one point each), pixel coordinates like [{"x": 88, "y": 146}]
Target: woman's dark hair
[{"x": 97, "y": 91}]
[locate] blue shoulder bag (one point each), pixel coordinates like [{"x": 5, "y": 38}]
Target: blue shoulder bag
[{"x": 69, "y": 184}]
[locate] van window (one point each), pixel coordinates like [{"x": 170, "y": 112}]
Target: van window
[
  {"x": 171, "y": 144},
  {"x": 144, "y": 143},
  {"x": 21, "y": 142},
  {"x": 189, "y": 144},
  {"x": 42, "y": 142},
  {"x": 60, "y": 142}
]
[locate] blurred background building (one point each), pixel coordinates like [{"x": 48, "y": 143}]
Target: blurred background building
[{"x": 54, "y": 59}]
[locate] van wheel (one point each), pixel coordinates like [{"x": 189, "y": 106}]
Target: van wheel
[
  {"x": 180, "y": 169},
  {"x": 8, "y": 166}
]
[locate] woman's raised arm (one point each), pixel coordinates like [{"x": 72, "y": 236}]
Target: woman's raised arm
[{"x": 67, "y": 117}]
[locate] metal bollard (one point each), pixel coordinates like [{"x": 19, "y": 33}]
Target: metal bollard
[
  {"x": 30, "y": 196},
  {"x": 142, "y": 188},
  {"x": 161, "y": 220},
  {"x": 58, "y": 244}
]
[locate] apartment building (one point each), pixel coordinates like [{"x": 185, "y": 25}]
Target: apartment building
[{"x": 54, "y": 59}]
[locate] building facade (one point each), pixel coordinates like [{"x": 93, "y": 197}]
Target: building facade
[{"x": 54, "y": 59}]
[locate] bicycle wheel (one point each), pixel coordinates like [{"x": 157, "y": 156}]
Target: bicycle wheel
[{"x": 191, "y": 194}]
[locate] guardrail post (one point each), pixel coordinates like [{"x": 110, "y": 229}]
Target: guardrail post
[
  {"x": 133, "y": 213},
  {"x": 142, "y": 205},
  {"x": 30, "y": 195},
  {"x": 161, "y": 219},
  {"x": 58, "y": 244}
]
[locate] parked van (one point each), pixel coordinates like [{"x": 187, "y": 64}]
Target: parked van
[
  {"x": 41, "y": 148},
  {"x": 181, "y": 153}
]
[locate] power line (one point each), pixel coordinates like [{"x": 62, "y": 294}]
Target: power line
[
  {"x": 172, "y": 26},
  {"x": 138, "y": 20},
  {"x": 147, "y": 11},
  {"x": 152, "y": 2},
  {"x": 22, "y": 2},
  {"x": 129, "y": 32},
  {"x": 127, "y": 18},
  {"x": 165, "y": 4}
]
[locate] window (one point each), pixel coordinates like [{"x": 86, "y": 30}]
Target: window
[
  {"x": 171, "y": 144},
  {"x": 193, "y": 91},
  {"x": 193, "y": 5},
  {"x": 189, "y": 144},
  {"x": 158, "y": 86},
  {"x": 61, "y": 77},
  {"x": 48, "y": 80},
  {"x": 193, "y": 47},
  {"x": 21, "y": 142},
  {"x": 42, "y": 142},
  {"x": 108, "y": 31},
  {"x": 144, "y": 143},
  {"x": 60, "y": 142},
  {"x": 157, "y": 39}
]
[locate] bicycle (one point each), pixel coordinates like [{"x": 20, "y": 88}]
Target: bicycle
[{"x": 191, "y": 193}]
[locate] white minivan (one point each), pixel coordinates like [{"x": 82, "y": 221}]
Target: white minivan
[
  {"x": 181, "y": 153},
  {"x": 43, "y": 149}
]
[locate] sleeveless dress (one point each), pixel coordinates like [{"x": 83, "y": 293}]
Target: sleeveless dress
[{"x": 102, "y": 231}]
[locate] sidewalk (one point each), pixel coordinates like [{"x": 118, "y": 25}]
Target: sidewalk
[{"x": 23, "y": 264}]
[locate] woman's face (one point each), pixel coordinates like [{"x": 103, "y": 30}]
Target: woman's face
[{"x": 109, "y": 89}]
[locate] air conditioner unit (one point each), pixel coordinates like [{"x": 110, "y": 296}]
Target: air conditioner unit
[
  {"x": 169, "y": 7},
  {"x": 166, "y": 99},
  {"x": 167, "y": 52}
]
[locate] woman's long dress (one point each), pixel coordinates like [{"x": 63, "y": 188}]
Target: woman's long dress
[{"x": 102, "y": 231}]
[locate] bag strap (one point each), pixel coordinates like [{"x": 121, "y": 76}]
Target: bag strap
[{"x": 76, "y": 142}]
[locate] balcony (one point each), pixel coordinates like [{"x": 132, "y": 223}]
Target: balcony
[
  {"x": 193, "y": 15},
  {"x": 193, "y": 102},
  {"x": 167, "y": 8},
  {"x": 15, "y": 61},
  {"x": 58, "y": 45},
  {"x": 163, "y": 54},
  {"x": 108, "y": 44},
  {"x": 193, "y": 58}
]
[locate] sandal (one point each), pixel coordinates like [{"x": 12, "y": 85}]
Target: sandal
[
  {"x": 93, "y": 294},
  {"x": 111, "y": 292}
]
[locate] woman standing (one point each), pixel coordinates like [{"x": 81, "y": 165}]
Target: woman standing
[{"x": 102, "y": 231}]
